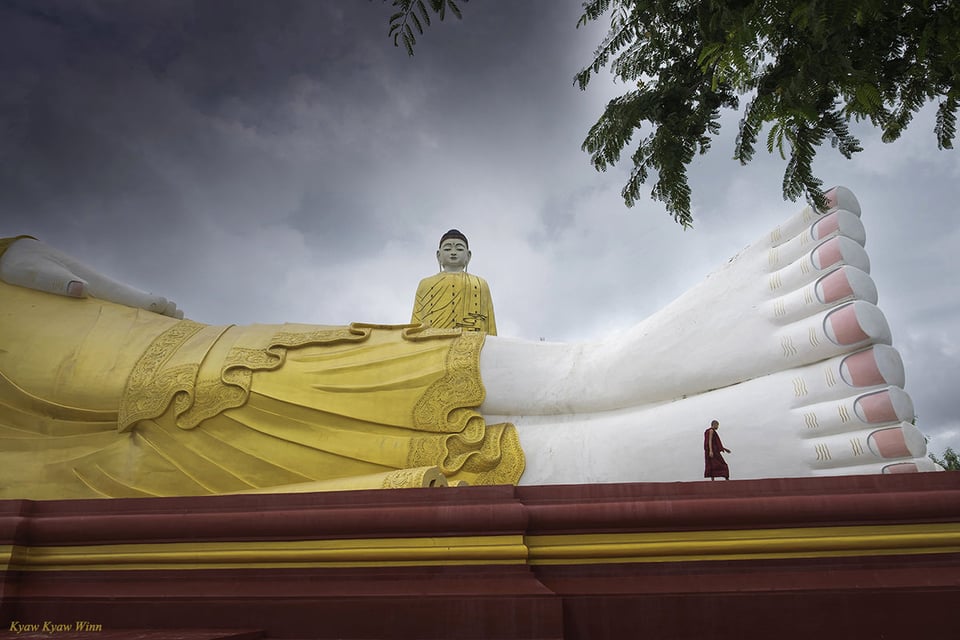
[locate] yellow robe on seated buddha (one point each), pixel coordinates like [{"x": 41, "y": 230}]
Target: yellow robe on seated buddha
[
  {"x": 455, "y": 300},
  {"x": 103, "y": 400}
]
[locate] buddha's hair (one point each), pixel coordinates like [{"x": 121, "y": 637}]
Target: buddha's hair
[{"x": 454, "y": 233}]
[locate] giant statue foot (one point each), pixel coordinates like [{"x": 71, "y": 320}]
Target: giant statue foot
[
  {"x": 844, "y": 415},
  {"x": 783, "y": 345}
]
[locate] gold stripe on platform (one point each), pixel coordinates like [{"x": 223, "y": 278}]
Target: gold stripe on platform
[
  {"x": 755, "y": 544},
  {"x": 684, "y": 546},
  {"x": 6, "y": 555},
  {"x": 373, "y": 552}
]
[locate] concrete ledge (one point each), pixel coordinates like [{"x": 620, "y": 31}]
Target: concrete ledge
[{"x": 740, "y": 559}]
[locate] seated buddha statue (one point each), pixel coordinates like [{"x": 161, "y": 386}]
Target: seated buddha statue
[
  {"x": 453, "y": 298},
  {"x": 106, "y": 390}
]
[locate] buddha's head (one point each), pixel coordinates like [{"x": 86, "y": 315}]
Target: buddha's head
[{"x": 454, "y": 252}]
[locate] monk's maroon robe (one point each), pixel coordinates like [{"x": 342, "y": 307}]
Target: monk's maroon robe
[{"x": 715, "y": 467}]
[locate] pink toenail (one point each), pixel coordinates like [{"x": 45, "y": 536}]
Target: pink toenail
[
  {"x": 834, "y": 287},
  {"x": 826, "y": 226},
  {"x": 861, "y": 370},
  {"x": 890, "y": 443},
  {"x": 827, "y": 254},
  {"x": 902, "y": 467},
  {"x": 846, "y": 327},
  {"x": 877, "y": 408}
]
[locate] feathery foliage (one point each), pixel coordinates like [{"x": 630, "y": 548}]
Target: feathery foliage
[
  {"x": 950, "y": 460},
  {"x": 805, "y": 68},
  {"x": 413, "y": 14}
]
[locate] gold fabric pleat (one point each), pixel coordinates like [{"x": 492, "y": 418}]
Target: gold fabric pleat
[{"x": 215, "y": 410}]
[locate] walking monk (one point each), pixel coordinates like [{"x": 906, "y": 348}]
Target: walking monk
[{"x": 713, "y": 463}]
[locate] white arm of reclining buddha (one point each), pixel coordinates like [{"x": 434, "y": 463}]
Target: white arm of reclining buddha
[{"x": 30, "y": 263}]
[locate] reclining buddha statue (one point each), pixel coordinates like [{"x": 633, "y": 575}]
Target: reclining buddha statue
[{"x": 107, "y": 391}]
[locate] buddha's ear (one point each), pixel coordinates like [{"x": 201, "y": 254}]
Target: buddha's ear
[
  {"x": 467, "y": 261},
  {"x": 438, "y": 259}
]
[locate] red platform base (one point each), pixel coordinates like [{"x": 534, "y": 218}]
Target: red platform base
[{"x": 853, "y": 557}]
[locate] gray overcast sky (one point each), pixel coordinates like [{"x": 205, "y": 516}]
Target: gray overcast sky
[{"x": 282, "y": 161}]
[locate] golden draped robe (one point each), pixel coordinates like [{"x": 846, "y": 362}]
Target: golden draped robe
[
  {"x": 455, "y": 300},
  {"x": 103, "y": 400}
]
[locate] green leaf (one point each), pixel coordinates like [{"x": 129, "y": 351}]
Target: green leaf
[
  {"x": 946, "y": 123},
  {"x": 412, "y": 15}
]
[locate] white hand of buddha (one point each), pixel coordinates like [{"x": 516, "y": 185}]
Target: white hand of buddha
[{"x": 32, "y": 264}]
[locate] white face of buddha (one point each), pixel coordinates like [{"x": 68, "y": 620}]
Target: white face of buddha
[{"x": 453, "y": 255}]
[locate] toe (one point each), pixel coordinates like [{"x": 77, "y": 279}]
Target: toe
[
  {"x": 866, "y": 448},
  {"x": 840, "y": 250},
  {"x": 904, "y": 441},
  {"x": 880, "y": 364},
  {"x": 856, "y": 323},
  {"x": 887, "y": 405},
  {"x": 845, "y": 283},
  {"x": 842, "y": 198},
  {"x": 841, "y": 222}
]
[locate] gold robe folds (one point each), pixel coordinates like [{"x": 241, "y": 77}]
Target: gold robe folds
[
  {"x": 457, "y": 300},
  {"x": 119, "y": 402}
]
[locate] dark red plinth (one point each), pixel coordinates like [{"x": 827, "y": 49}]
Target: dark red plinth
[{"x": 854, "y": 557}]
